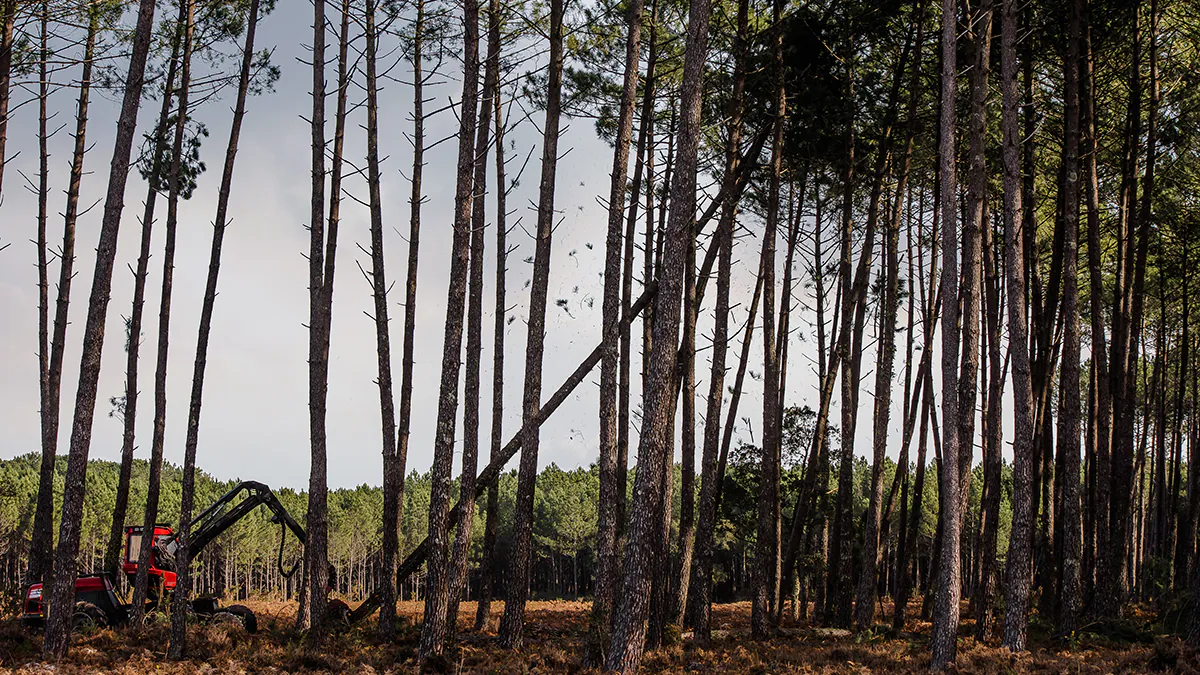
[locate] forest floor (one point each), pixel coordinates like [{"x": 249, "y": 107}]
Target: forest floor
[{"x": 554, "y": 638}]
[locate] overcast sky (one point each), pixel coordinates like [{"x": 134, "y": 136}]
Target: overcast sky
[{"x": 255, "y": 417}]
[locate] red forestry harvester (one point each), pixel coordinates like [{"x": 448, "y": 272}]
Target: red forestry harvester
[{"x": 97, "y": 602}]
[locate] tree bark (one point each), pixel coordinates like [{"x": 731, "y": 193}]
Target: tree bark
[
  {"x": 710, "y": 486},
  {"x": 512, "y": 625},
  {"x": 150, "y": 517},
  {"x": 681, "y": 578},
  {"x": 1017, "y": 565},
  {"x": 460, "y": 578},
  {"x": 984, "y": 597},
  {"x": 393, "y": 471},
  {"x": 1145, "y": 215},
  {"x": 1069, "y": 573},
  {"x": 41, "y": 547},
  {"x": 970, "y": 297},
  {"x": 611, "y": 491},
  {"x": 1102, "y": 420},
  {"x": 625, "y": 652},
  {"x": 947, "y": 584},
  {"x": 766, "y": 542},
  {"x": 187, "y": 16},
  {"x": 970, "y": 291},
  {"x": 394, "y": 487},
  {"x": 841, "y": 546},
  {"x": 63, "y": 590},
  {"x": 317, "y": 544},
  {"x": 51, "y": 403},
  {"x": 491, "y": 526},
  {"x": 1111, "y": 587},
  {"x": 437, "y": 586}
]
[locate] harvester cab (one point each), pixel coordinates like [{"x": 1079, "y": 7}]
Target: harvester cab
[{"x": 161, "y": 569}]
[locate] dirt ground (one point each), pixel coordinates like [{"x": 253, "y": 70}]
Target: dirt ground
[{"x": 555, "y": 635}]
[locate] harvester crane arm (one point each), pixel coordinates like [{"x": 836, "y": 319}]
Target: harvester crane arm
[{"x": 221, "y": 516}]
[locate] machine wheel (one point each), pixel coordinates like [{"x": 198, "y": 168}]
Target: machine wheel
[
  {"x": 242, "y": 614},
  {"x": 88, "y": 617},
  {"x": 337, "y": 613}
]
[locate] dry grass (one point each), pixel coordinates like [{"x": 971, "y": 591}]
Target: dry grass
[{"x": 554, "y": 639}]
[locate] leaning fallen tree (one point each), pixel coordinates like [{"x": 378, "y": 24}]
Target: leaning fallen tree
[
  {"x": 492, "y": 471},
  {"x": 734, "y": 184}
]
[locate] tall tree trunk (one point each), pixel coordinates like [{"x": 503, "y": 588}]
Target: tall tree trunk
[
  {"x": 983, "y": 599},
  {"x": 187, "y": 26},
  {"x": 1145, "y": 216},
  {"x": 610, "y": 490},
  {"x": 1017, "y": 565},
  {"x": 393, "y": 472},
  {"x": 42, "y": 539},
  {"x": 661, "y": 566},
  {"x": 839, "y": 582},
  {"x": 491, "y": 525},
  {"x": 316, "y": 573},
  {"x": 767, "y": 539},
  {"x": 865, "y": 597},
  {"x": 947, "y": 584},
  {"x": 681, "y": 578},
  {"x": 315, "y": 593},
  {"x": 158, "y": 437},
  {"x": 394, "y": 487},
  {"x": 625, "y": 652},
  {"x": 864, "y": 614},
  {"x": 710, "y": 485},
  {"x": 970, "y": 291},
  {"x": 43, "y": 521},
  {"x": 460, "y": 578},
  {"x": 643, "y": 164},
  {"x": 437, "y": 586},
  {"x": 183, "y": 584},
  {"x": 795, "y": 215},
  {"x": 512, "y": 625},
  {"x": 929, "y": 313},
  {"x": 1102, "y": 420},
  {"x": 1185, "y": 541},
  {"x": 63, "y": 590},
  {"x": 1111, "y": 587},
  {"x": 1069, "y": 573}
]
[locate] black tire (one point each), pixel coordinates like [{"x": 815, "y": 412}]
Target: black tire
[
  {"x": 337, "y": 613},
  {"x": 206, "y": 606},
  {"x": 88, "y": 617},
  {"x": 244, "y": 614}
]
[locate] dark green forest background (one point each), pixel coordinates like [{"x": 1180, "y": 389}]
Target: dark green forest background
[{"x": 244, "y": 561}]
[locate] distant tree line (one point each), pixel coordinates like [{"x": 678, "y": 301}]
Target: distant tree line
[{"x": 245, "y": 562}]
